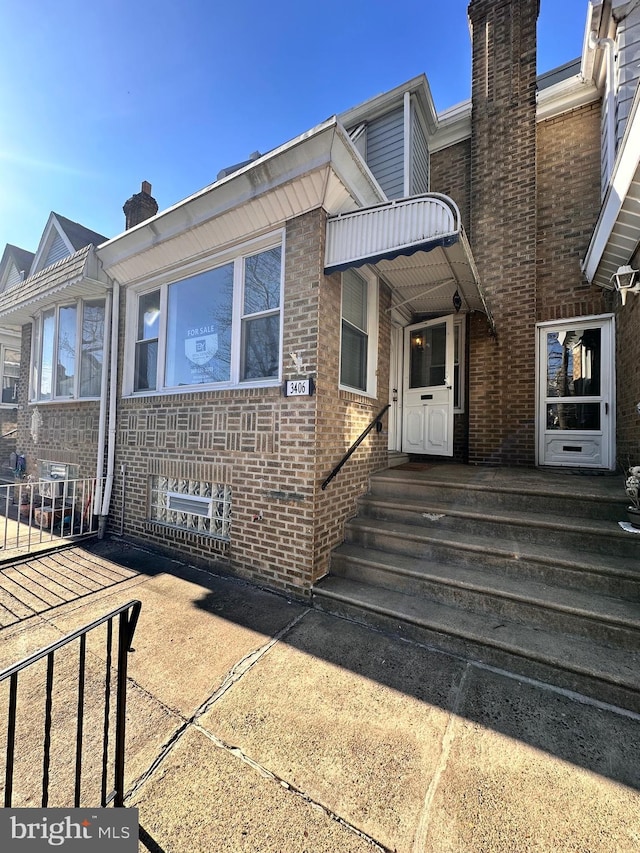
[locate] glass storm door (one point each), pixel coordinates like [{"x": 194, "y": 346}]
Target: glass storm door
[
  {"x": 576, "y": 421},
  {"x": 427, "y": 421}
]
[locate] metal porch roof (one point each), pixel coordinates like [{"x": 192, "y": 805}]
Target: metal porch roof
[{"x": 418, "y": 246}]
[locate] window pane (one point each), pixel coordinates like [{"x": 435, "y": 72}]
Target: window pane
[
  {"x": 146, "y": 367},
  {"x": 92, "y": 349},
  {"x": 199, "y": 328},
  {"x": 10, "y": 375},
  {"x": 66, "y": 364},
  {"x": 260, "y": 347},
  {"x": 573, "y": 416},
  {"x": 428, "y": 356},
  {"x": 148, "y": 316},
  {"x": 262, "y": 281},
  {"x": 354, "y": 300},
  {"x": 353, "y": 358},
  {"x": 46, "y": 373},
  {"x": 573, "y": 363}
]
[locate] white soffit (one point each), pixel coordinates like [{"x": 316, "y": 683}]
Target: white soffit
[
  {"x": 617, "y": 233},
  {"x": 319, "y": 169}
]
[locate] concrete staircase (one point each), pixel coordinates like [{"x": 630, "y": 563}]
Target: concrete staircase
[{"x": 522, "y": 569}]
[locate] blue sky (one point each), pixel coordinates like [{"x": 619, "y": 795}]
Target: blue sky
[{"x": 97, "y": 96}]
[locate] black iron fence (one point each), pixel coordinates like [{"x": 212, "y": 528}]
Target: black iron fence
[{"x": 106, "y": 700}]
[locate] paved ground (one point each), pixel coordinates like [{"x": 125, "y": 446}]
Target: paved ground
[{"x": 258, "y": 724}]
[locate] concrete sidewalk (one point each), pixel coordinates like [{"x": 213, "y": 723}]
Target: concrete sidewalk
[{"x": 258, "y": 724}]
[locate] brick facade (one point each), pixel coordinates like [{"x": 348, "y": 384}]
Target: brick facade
[{"x": 272, "y": 451}]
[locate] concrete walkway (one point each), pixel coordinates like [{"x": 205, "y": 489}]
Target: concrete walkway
[{"x": 258, "y": 724}]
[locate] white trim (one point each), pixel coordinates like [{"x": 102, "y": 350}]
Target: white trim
[
  {"x": 373, "y": 298},
  {"x": 163, "y": 280},
  {"x": 407, "y": 146}
]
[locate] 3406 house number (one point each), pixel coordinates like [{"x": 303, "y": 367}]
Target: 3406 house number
[{"x": 298, "y": 388}]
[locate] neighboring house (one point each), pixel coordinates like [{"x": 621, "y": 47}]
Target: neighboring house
[
  {"x": 14, "y": 268},
  {"x": 62, "y": 344},
  {"x": 390, "y": 254}
]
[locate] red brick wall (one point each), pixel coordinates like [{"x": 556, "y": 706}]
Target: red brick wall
[
  {"x": 628, "y": 379},
  {"x": 451, "y": 176},
  {"x": 568, "y": 202}
]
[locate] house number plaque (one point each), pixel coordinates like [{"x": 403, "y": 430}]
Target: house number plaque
[{"x": 299, "y": 387}]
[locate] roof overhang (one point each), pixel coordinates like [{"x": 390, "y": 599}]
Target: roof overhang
[
  {"x": 616, "y": 237},
  {"x": 320, "y": 169},
  {"x": 73, "y": 277},
  {"x": 418, "y": 246}
]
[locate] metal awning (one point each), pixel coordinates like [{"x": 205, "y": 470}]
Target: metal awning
[
  {"x": 419, "y": 247},
  {"x": 73, "y": 277}
]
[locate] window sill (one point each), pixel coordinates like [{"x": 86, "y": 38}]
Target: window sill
[
  {"x": 153, "y": 524},
  {"x": 64, "y": 401},
  {"x": 203, "y": 389}
]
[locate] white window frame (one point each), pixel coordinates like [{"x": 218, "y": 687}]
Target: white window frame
[
  {"x": 372, "y": 335},
  {"x": 163, "y": 280},
  {"x": 15, "y": 347},
  {"x": 35, "y": 371}
]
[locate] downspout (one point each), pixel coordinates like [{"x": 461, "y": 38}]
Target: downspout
[
  {"x": 102, "y": 418},
  {"x": 113, "y": 384},
  {"x": 610, "y": 46}
]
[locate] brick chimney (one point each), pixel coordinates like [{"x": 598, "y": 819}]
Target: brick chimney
[
  {"x": 503, "y": 228},
  {"x": 140, "y": 206}
]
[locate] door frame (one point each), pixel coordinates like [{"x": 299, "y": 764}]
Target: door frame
[{"x": 607, "y": 390}]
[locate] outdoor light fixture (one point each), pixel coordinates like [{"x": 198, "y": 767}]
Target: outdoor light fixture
[
  {"x": 457, "y": 301},
  {"x": 626, "y": 280}
]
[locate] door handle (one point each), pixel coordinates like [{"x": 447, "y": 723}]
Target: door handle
[{"x": 606, "y": 408}]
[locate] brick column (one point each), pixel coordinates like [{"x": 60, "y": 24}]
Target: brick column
[{"x": 503, "y": 229}]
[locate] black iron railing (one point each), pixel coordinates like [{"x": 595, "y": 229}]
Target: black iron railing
[
  {"x": 127, "y": 619},
  {"x": 355, "y": 445}
]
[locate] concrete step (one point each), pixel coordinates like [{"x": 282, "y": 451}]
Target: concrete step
[
  {"x": 575, "y": 663},
  {"x": 569, "y": 532},
  {"x": 604, "y": 619},
  {"x": 572, "y": 495},
  {"x": 580, "y": 570}
]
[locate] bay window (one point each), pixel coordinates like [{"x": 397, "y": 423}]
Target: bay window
[
  {"x": 68, "y": 351},
  {"x": 219, "y": 326}
]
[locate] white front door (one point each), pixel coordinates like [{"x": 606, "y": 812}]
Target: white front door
[
  {"x": 576, "y": 405},
  {"x": 427, "y": 422}
]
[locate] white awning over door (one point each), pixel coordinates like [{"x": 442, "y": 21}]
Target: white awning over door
[{"x": 419, "y": 247}]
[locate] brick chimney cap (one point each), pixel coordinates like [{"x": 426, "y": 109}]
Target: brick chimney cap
[{"x": 146, "y": 187}]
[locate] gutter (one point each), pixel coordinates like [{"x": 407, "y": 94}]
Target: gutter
[{"x": 102, "y": 417}]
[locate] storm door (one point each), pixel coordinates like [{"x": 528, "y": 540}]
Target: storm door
[
  {"x": 575, "y": 386},
  {"x": 427, "y": 422}
]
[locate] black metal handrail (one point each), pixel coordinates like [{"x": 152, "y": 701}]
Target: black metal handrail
[
  {"x": 128, "y": 618},
  {"x": 355, "y": 445}
]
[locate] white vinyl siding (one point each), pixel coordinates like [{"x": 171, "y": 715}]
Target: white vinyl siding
[
  {"x": 14, "y": 277},
  {"x": 385, "y": 152},
  {"x": 57, "y": 250},
  {"x": 628, "y": 45}
]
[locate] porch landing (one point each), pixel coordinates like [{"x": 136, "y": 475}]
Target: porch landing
[{"x": 523, "y": 569}]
